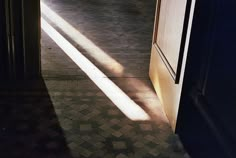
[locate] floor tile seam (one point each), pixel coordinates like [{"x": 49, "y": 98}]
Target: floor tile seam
[{"x": 85, "y": 78}]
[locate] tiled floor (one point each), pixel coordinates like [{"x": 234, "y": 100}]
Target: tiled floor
[{"x": 65, "y": 115}]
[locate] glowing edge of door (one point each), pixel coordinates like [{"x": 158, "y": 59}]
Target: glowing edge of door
[{"x": 168, "y": 92}]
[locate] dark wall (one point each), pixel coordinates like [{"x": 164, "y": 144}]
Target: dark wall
[
  {"x": 208, "y": 106},
  {"x": 3, "y": 43},
  {"x": 32, "y": 35},
  {"x": 20, "y": 39}
]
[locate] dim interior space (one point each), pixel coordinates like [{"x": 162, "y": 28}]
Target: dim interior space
[{"x": 117, "y": 79}]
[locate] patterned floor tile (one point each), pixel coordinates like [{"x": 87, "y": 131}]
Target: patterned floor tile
[{"x": 119, "y": 145}]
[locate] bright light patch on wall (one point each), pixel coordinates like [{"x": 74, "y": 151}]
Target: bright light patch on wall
[
  {"x": 83, "y": 41},
  {"x": 112, "y": 91}
]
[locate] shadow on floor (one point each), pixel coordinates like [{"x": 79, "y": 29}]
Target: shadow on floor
[{"x": 29, "y": 127}]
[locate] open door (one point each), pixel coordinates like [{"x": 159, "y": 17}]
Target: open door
[
  {"x": 169, "y": 50},
  {"x": 194, "y": 75}
]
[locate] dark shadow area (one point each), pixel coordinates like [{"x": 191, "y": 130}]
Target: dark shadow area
[
  {"x": 29, "y": 127},
  {"x": 207, "y": 109}
]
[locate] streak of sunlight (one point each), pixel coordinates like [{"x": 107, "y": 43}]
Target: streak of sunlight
[
  {"x": 83, "y": 41},
  {"x": 112, "y": 91}
]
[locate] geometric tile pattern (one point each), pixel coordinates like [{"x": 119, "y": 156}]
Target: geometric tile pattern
[
  {"x": 42, "y": 122},
  {"x": 94, "y": 127},
  {"x": 66, "y": 115}
]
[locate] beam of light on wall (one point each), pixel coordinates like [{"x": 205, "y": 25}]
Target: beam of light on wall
[
  {"x": 112, "y": 91},
  {"x": 83, "y": 41}
]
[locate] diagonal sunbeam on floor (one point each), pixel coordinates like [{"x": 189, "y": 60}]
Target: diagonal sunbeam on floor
[
  {"x": 154, "y": 110},
  {"x": 112, "y": 91},
  {"x": 96, "y": 52}
]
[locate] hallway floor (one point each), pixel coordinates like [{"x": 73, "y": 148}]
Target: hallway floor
[{"x": 68, "y": 114}]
